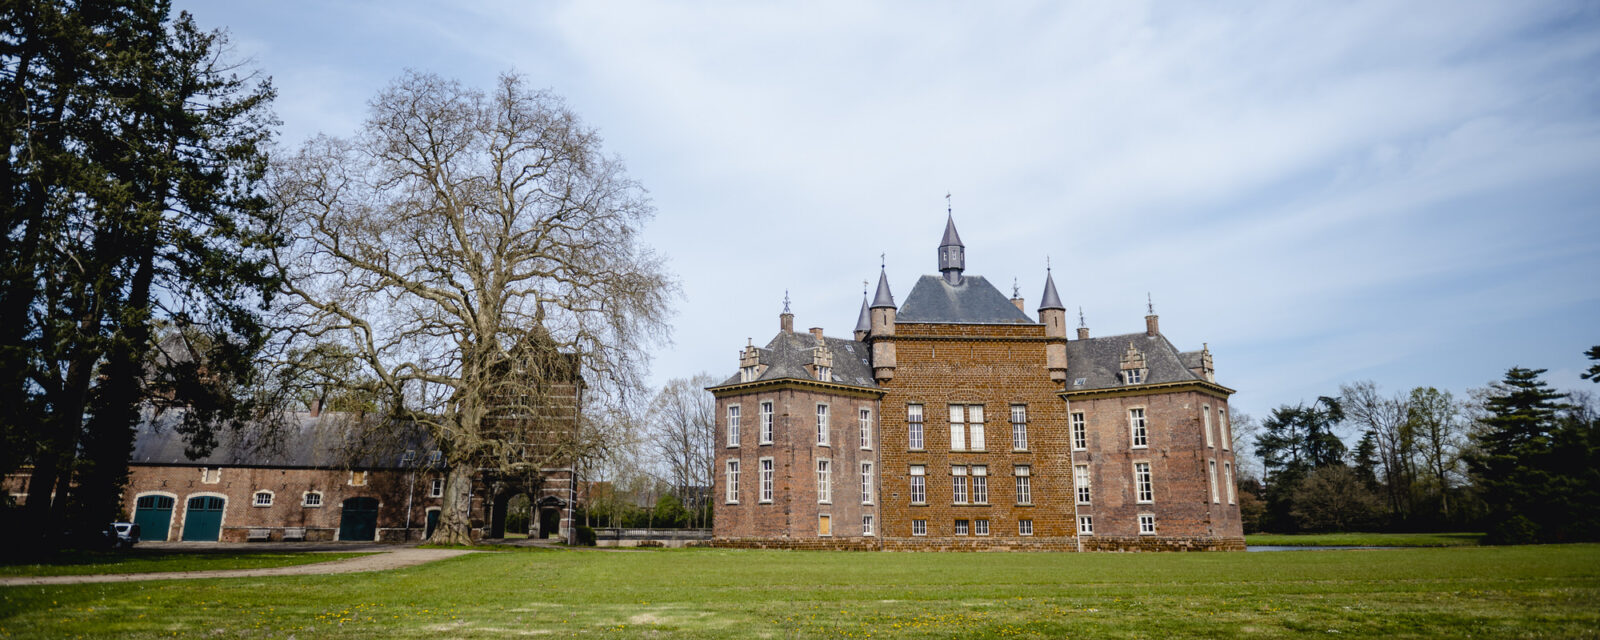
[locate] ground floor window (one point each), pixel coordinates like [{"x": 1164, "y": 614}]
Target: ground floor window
[
  {"x": 980, "y": 527},
  {"x": 1086, "y": 525},
  {"x": 961, "y": 527},
  {"x": 866, "y": 525},
  {"x": 919, "y": 527},
  {"x": 1024, "y": 527},
  {"x": 824, "y": 525},
  {"x": 1147, "y": 524}
]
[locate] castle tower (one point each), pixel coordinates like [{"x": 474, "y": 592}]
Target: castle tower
[
  {"x": 1053, "y": 315},
  {"x": 882, "y": 330},
  {"x": 952, "y": 254}
]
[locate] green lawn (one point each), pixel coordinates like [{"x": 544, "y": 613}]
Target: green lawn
[
  {"x": 77, "y": 563},
  {"x": 1364, "y": 539},
  {"x": 1485, "y": 592}
]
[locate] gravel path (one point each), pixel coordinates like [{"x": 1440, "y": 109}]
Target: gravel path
[{"x": 378, "y": 562}]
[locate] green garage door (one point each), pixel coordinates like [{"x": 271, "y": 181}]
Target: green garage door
[
  {"x": 202, "y": 521},
  {"x": 359, "y": 521},
  {"x": 433, "y": 523},
  {"x": 153, "y": 514}
]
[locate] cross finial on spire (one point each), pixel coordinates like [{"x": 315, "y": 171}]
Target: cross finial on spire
[
  {"x": 863, "y": 287},
  {"x": 1047, "y": 263},
  {"x": 883, "y": 261},
  {"x": 786, "y": 301},
  {"x": 1149, "y": 304},
  {"x": 949, "y": 210}
]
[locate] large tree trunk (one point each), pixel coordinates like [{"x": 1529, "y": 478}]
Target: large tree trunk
[{"x": 455, "y": 518}]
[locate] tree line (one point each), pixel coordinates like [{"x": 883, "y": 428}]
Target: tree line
[{"x": 1515, "y": 459}]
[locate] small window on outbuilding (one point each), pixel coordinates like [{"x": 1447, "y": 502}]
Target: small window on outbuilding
[{"x": 262, "y": 499}]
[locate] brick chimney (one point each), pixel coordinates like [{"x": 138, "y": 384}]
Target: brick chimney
[
  {"x": 1152, "y": 325},
  {"x": 816, "y": 332},
  {"x": 786, "y": 319}
]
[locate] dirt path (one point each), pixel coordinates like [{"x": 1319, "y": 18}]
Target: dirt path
[{"x": 379, "y": 562}]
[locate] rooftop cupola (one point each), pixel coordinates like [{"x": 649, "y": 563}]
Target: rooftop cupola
[{"x": 952, "y": 254}]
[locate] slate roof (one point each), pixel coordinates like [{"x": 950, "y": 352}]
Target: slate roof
[
  {"x": 1098, "y": 361},
  {"x": 974, "y": 301},
  {"x": 787, "y": 355},
  {"x": 331, "y": 441}
]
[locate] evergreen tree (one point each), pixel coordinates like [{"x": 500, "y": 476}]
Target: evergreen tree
[
  {"x": 1593, "y": 374},
  {"x": 1513, "y": 464},
  {"x": 1294, "y": 441}
]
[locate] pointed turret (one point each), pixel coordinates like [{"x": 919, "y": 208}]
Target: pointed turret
[
  {"x": 1050, "y": 300},
  {"x": 883, "y": 298},
  {"x": 1053, "y": 315},
  {"x": 881, "y": 333},
  {"x": 864, "y": 321},
  {"x": 952, "y": 254}
]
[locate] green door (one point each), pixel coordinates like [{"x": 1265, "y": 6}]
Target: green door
[
  {"x": 202, "y": 521},
  {"x": 433, "y": 523},
  {"x": 153, "y": 514},
  {"x": 359, "y": 521}
]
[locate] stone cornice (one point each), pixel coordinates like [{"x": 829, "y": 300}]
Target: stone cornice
[
  {"x": 739, "y": 388},
  {"x": 1209, "y": 388}
]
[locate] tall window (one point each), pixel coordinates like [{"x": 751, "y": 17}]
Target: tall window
[
  {"x": 1205, "y": 413},
  {"x": 765, "y": 436},
  {"x": 1024, "y": 527},
  {"x": 919, "y": 527},
  {"x": 1086, "y": 525},
  {"x": 958, "y": 485},
  {"x": 1222, "y": 422},
  {"x": 866, "y": 483},
  {"x": 747, "y": 374},
  {"x": 733, "y": 425},
  {"x": 766, "y": 479},
  {"x": 1080, "y": 432},
  {"x": 1216, "y": 495},
  {"x": 914, "y": 426},
  {"x": 436, "y": 488},
  {"x": 866, "y": 525},
  {"x": 824, "y": 482},
  {"x": 1024, "y": 486},
  {"x": 1227, "y": 475},
  {"x": 865, "y": 418},
  {"x": 825, "y": 374},
  {"x": 1080, "y": 481},
  {"x": 1141, "y": 482},
  {"x": 822, "y": 424},
  {"x": 980, "y": 484},
  {"x": 732, "y": 496},
  {"x": 965, "y": 420},
  {"x": 1136, "y": 423},
  {"x": 1147, "y": 524},
  {"x": 1019, "y": 427},
  {"x": 919, "y": 484}
]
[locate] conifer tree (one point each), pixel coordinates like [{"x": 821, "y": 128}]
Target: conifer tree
[{"x": 1511, "y": 465}]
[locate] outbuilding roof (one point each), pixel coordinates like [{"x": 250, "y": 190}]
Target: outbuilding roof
[{"x": 331, "y": 440}]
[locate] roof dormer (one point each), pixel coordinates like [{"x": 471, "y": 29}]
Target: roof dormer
[{"x": 1133, "y": 365}]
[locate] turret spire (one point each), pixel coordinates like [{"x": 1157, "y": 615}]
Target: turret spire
[
  {"x": 1050, "y": 300},
  {"x": 883, "y": 298},
  {"x": 864, "y": 322},
  {"x": 952, "y": 254}
]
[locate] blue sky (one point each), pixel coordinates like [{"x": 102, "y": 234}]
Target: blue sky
[{"x": 1323, "y": 192}]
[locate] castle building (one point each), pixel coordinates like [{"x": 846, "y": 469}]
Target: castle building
[{"x": 956, "y": 420}]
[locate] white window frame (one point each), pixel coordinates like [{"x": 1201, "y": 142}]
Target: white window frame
[
  {"x": 1085, "y": 525},
  {"x": 1216, "y": 493},
  {"x": 305, "y": 499},
  {"x": 1025, "y": 527},
  {"x": 436, "y": 487},
  {"x": 255, "y": 498},
  {"x": 919, "y": 484},
  {"x": 1019, "y": 427},
  {"x": 1129, "y": 376},
  {"x": 824, "y": 374},
  {"x": 958, "y": 427},
  {"x": 733, "y": 425},
  {"x": 1138, "y": 428},
  {"x": 980, "y": 484},
  {"x": 1227, "y": 474},
  {"x": 866, "y": 524},
  {"x": 975, "y": 422},
  {"x": 980, "y": 527},
  {"x": 765, "y": 437},
  {"x": 864, "y": 416},
  {"x": 747, "y": 374},
  {"x": 919, "y": 527},
  {"x": 1222, "y": 427},
  {"x": 1205, "y": 413},
  {"x": 866, "y": 483},
  {"x": 1081, "y": 483},
  {"x": 731, "y": 482},
  {"x": 766, "y": 468},
  {"x": 824, "y": 481},
  {"x": 963, "y": 527},
  {"x": 1144, "y": 486},
  {"x": 1147, "y": 524},
  {"x": 1080, "y": 431},
  {"x": 914, "y": 428},
  {"x": 824, "y": 428},
  {"x": 958, "y": 485},
  {"x": 1024, "y": 476}
]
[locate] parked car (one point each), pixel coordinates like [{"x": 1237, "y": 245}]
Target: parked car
[{"x": 124, "y": 535}]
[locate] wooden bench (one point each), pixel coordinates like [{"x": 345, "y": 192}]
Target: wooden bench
[
  {"x": 294, "y": 533},
  {"x": 259, "y": 535}
]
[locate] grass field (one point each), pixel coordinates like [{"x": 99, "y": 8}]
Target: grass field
[
  {"x": 77, "y": 563},
  {"x": 1364, "y": 539},
  {"x": 1485, "y": 592}
]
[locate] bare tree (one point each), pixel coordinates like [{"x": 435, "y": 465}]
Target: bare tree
[
  {"x": 478, "y": 256},
  {"x": 1386, "y": 418},
  {"x": 1434, "y": 417},
  {"x": 1242, "y": 431},
  {"x": 684, "y": 435}
]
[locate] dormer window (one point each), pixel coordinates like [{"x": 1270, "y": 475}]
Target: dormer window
[
  {"x": 1133, "y": 376},
  {"x": 747, "y": 374},
  {"x": 824, "y": 373},
  {"x": 1133, "y": 365}
]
